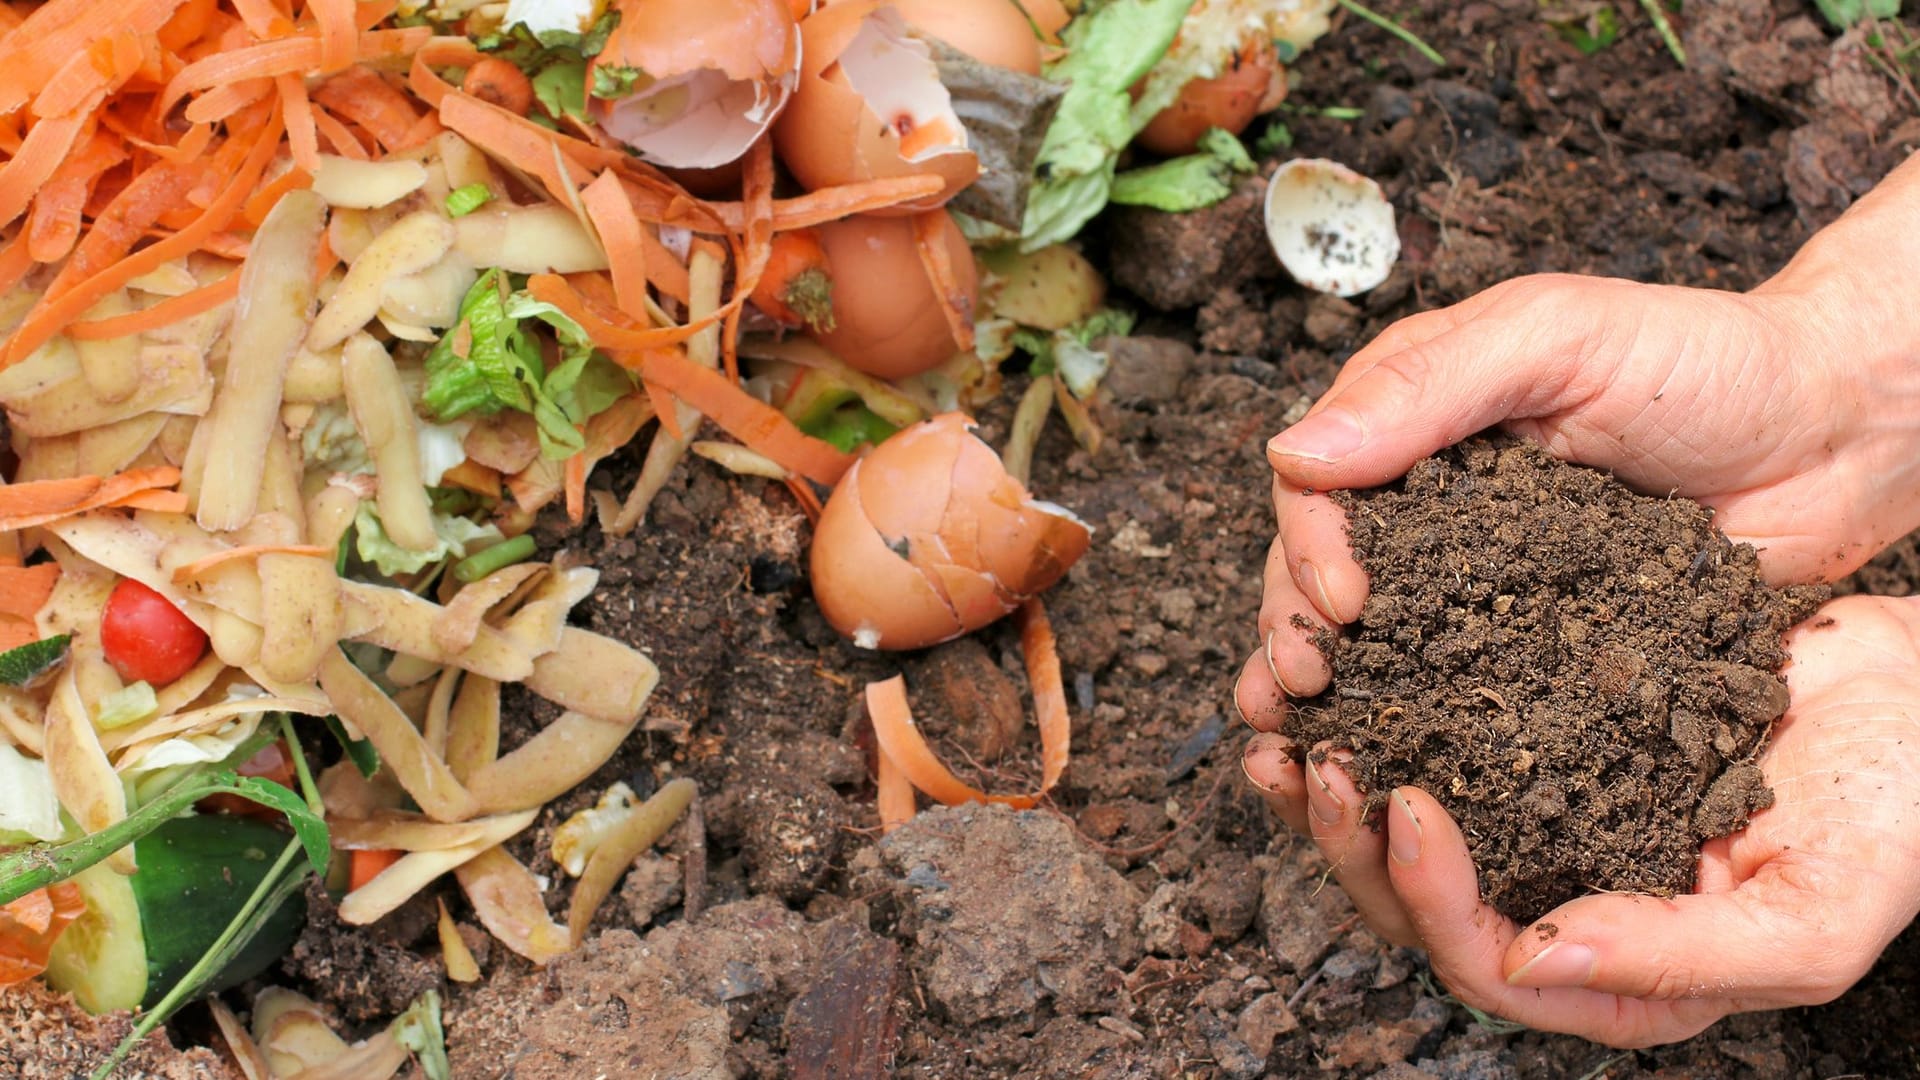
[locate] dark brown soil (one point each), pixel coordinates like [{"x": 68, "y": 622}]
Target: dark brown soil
[{"x": 1583, "y": 676}]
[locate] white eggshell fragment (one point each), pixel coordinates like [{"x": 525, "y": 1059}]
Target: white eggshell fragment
[{"x": 1331, "y": 227}]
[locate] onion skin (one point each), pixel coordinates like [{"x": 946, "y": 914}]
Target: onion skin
[
  {"x": 1230, "y": 100},
  {"x": 991, "y": 31},
  {"x": 887, "y": 319},
  {"x": 927, "y": 538}
]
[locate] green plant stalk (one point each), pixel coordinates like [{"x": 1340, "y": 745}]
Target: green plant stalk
[
  {"x": 487, "y": 560},
  {"x": 267, "y": 897},
  {"x": 299, "y": 756},
  {"x": 1661, "y": 23},
  {"x": 32, "y": 868},
  {"x": 1412, "y": 39}
]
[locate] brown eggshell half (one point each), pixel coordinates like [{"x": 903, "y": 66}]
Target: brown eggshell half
[
  {"x": 887, "y": 318},
  {"x": 865, "y": 87},
  {"x": 928, "y": 538},
  {"x": 991, "y": 31},
  {"x": 721, "y": 71}
]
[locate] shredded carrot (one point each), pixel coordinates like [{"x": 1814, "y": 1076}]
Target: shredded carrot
[
  {"x": 895, "y": 800},
  {"x": 30, "y": 925},
  {"x": 48, "y": 38},
  {"x": 189, "y": 571},
  {"x": 338, "y": 34},
  {"x": 956, "y": 304},
  {"x": 339, "y": 136},
  {"x": 365, "y": 864},
  {"x": 261, "y": 201},
  {"x": 834, "y": 203},
  {"x": 282, "y": 56},
  {"x": 40, "y": 155},
  {"x": 24, "y": 590},
  {"x": 16, "y": 258},
  {"x": 361, "y": 97},
  {"x": 303, "y": 139},
  {"x": 902, "y": 742},
  {"x": 763, "y": 428},
  {"x": 620, "y": 234},
  {"x": 37, "y": 502}
]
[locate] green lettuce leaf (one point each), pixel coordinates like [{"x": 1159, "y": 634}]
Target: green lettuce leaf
[
  {"x": 503, "y": 366},
  {"x": 377, "y": 549},
  {"x": 1108, "y": 50},
  {"x": 1186, "y": 183},
  {"x": 561, "y": 89}
]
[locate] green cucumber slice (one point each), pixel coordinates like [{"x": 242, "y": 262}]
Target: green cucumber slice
[{"x": 142, "y": 934}]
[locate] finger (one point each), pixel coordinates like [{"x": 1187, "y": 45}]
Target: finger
[
  {"x": 1467, "y": 940},
  {"x": 1272, "y": 765},
  {"x": 1288, "y": 624},
  {"x": 1763, "y": 942},
  {"x": 1514, "y": 362},
  {"x": 1258, "y": 697},
  {"x": 1358, "y": 853},
  {"x": 1313, "y": 531}
]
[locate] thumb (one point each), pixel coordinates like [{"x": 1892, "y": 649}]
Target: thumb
[
  {"x": 1506, "y": 360},
  {"x": 1764, "y": 941}
]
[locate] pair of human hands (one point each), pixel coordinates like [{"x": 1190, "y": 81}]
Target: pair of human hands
[{"x": 1791, "y": 412}]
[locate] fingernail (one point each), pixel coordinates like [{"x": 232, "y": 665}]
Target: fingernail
[
  {"x": 1316, "y": 589},
  {"x": 1272, "y": 667},
  {"x": 1326, "y": 807},
  {"x": 1237, "y": 710},
  {"x": 1257, "y": 785},
  {"x": 1326, "y": 436},
  {"x": 1563, "y": 963},
  {"x": 1403, "y": 835}
]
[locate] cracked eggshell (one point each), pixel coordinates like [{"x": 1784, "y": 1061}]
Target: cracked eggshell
[
  {"x": 887, "y": 320},
  {"x": 927, "y": 538},
  {"x": 993, "y": 32},
  {"x": 870, "y": 105},
  {"x": 714, "y": 76},
  {"x": 1331, "y": 228}
]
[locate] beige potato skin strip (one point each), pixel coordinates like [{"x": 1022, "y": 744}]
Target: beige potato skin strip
[
  {"x": 401, "y": 830},
  {"x": 381, "y": 411},
  {"x": 270, "y": 318},
  {"x": 507, "y": 900},
  {"x": 563, "y": 754},
  {"x": 402, "y": 749},
  {"x": 647, "y": 824},
  {"x": 82, "y": 777},
  {"x": 415, "y": 870},
  {"x": 301, "y": 615},
  {"x": 408, "y": 246},
  {"x": 473, "y": 727},
  {"x": 398, "y": 620},
  {"x": 595, "y": 675}
]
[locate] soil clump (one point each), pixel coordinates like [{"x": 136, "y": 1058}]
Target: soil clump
[{"x": 1583, "y": 676}]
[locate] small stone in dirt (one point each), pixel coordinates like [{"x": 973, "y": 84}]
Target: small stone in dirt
[
  {"x": 653, "y": 885},
  {"x": 1580, "y": 674},
  {"x": 1233, "y": 1057},
  {"x": 1227, "y": 891},
  {"x": 1027, "y": 914},
  {"x": 960, "y": 690},
  {"x": 1298, "y": 912},
  {"x": 1144, "y": 370},
  {"x": 1263, "y": 1021},
  {"x": 793, "y": 830}
]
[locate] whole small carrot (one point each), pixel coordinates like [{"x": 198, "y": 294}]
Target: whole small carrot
[
  {"x": 498, "y": 82},
  {"x": 797, "y": 286}
]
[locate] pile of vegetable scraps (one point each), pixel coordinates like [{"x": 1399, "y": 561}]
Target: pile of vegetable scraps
[{"x": 312, "y": 307}]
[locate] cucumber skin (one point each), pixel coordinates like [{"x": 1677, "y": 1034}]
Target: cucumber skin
[{"x": 195, "y": 873}]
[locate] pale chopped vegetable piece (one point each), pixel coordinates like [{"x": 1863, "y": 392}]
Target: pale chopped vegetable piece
[
  {"x": 528, "y": 240},
  {"x": 28, "y": 805},
  {"x": 635, "y": 833},
  {"x": 111, "y": 365},
  {"x": 83, "y": 779},
  {"x": 381, "y": 412},
  {"x": 461, "y": 966},
  {"x": 313, "y": 378},
  {"x": 365, "y": 185},
  {"x": 276, "y": 288},
  {"x": 301, "y": 614},
  {"x": 580, "y": 835},
  {"x": 128, "y": 705}
]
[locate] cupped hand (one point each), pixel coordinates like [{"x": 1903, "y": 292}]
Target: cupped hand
[
  {"x": 1791, "y": 910},
  {"x": 1789, "y": 411}
]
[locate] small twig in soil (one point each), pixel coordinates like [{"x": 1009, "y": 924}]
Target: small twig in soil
[
  {"x": 1412, "y": 39},
  {"x": 1665, "y": 27},
  {"x": 693, "y": 855},
  {"x": 1601, "y": 1069},
  {"x": 1300, "y": 995}
]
